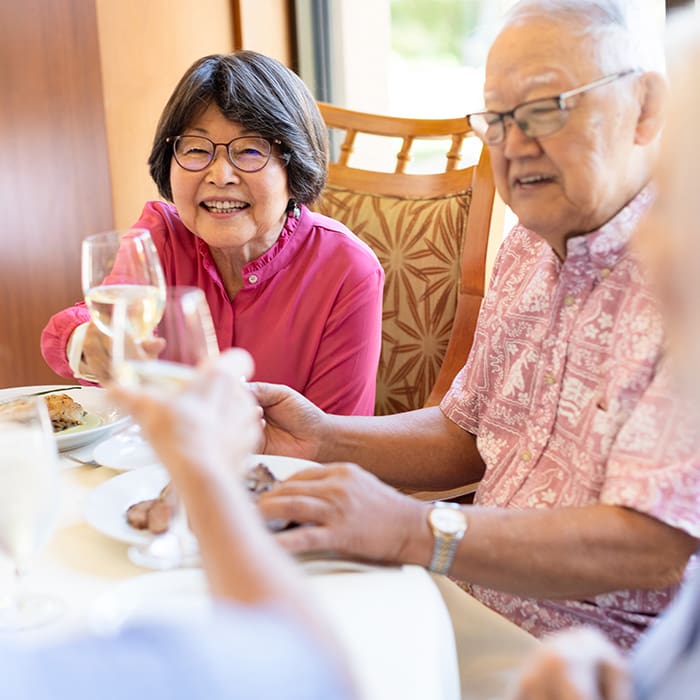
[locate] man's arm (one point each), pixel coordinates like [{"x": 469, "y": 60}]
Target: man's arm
[
  {"x": 570, "y": 552},
  {"x": 558, "y": 553},
  {"x": 419, "y": 450}
]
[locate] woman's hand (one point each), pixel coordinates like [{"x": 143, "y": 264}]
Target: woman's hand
[
  {"x": 578, "y": 664},
  {"x": 293, "y": 425},
  {"x": 96, "y": 360},
  {"x": 213, "y": 420}
]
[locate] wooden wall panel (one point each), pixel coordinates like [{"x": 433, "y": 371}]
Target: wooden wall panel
[
  {"x": 54, "y": 174},
  {"x": 265, "y": 26},
  {"x": 145, "y": 47}
]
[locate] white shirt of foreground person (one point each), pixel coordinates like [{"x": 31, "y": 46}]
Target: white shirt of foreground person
[
  {"x": 239, "y": 653},
  {"x": 666, "y": 663}
]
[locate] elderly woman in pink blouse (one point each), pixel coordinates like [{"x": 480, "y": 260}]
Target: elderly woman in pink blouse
[{"x": 239, "y": 152}]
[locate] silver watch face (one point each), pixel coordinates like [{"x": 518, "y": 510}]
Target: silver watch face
[{"x": 448, "y": 520}]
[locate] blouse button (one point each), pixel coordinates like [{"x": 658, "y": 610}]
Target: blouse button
[
  {"x": 252, "y": 279},
  {"x": 549, "y": 379},
  {"x": 568, "y": 300},
  {"x": 526, "y": 456},
  {"x": 605, "y": 272}
]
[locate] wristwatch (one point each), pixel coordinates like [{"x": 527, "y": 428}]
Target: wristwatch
[{"x": 448, "y": 523}]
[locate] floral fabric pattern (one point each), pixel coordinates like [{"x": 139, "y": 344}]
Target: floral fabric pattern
[{"x": 570, "y": 400}]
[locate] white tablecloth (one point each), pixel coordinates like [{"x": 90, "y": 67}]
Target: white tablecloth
[{"x": 398, "y": 625}]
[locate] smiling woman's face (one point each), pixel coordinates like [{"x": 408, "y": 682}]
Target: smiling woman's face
[{"x": 230, "y": 210}]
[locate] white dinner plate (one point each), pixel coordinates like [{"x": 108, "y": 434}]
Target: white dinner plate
[
  {"x": 125, "y": 451},
  {"x": 107, "y": 504},
  {"x": 103, "y": 417}
]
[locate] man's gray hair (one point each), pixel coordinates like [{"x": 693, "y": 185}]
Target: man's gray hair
[{"x": 623, "y": 34}]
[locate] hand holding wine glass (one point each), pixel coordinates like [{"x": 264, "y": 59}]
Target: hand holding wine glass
[
  {"x": 29, "y": 499},
  {"x": 186, "y": 335},
  {"x": 119, "y": 266}
]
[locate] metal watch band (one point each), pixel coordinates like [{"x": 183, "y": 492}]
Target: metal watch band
[
  {"x": 443, "y": 554},
  {"x": 447, "y": 535}
]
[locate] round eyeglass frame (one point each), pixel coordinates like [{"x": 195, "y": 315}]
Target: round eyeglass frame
[{"x": 270, "y": 142}]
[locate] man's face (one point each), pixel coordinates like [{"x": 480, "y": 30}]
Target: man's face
[{"x": 576, "y": 179}]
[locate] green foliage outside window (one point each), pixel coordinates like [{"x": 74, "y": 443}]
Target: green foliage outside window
[{"x": 433, "y": 28}]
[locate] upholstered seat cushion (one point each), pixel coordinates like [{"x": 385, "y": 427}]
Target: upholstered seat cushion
[{"x": 419, "y": 243}]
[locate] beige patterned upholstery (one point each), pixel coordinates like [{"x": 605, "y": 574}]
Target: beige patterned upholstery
[
  {"x": 418, "y": 242},
  {"x": 431, "y": 240}
]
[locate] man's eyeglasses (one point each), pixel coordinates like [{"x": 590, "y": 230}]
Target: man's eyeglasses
[
  {"x": 246, "y": 153},
  {"x": 537, "y": 117}
]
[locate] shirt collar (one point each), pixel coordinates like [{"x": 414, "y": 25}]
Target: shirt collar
[
  {"x": 270, "y": 262},
  {"x": 605, "y": 246}
]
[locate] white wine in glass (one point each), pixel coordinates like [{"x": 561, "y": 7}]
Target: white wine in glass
[
  {"x": 144, "y": 306},
  {"x": 29, "y": 504},
  {"x": 123, "y": 266},
  {"x": 187, "y": 336}
]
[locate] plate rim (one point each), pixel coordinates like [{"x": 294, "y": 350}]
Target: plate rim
[
  {"x": 72, "y": 441},
  {"x": 113, "y": 464},
  {"x": 94, "y": 504}
]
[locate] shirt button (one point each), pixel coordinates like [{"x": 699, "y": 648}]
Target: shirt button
[
  {"x": 549, "y": 379},
  {"x": 568, "y": 300},
  {"x": 605, "y": 272},
  {"x": 526, "y": 456},
  {"x": 252, "y": 279}
]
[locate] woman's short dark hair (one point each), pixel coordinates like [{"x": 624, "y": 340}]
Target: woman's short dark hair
[{"x": 262, "y": 95}]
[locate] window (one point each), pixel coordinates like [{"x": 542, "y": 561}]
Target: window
[{"x": 421, "y": 58}]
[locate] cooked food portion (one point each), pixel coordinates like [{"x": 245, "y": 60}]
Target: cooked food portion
[
  {"x": 260, "y": 479},
  {"x": 64, "y": 411},
  {"x": 155, "y": 513}
]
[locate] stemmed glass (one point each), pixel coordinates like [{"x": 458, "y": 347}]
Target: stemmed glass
[
  {"x": 123, "y": 266},
  {"x": 29, "y": 499},
  {"x": 187, "y": 337}
]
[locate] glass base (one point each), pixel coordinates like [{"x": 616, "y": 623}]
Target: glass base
[
  {"x": 167, "y": 551},
  {"x": 29, "y": 610}
]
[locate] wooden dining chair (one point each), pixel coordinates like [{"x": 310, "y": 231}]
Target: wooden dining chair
[{"x": 430, "y": 232}]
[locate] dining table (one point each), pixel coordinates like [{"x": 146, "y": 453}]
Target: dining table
[{"x": 406, "y": 633}]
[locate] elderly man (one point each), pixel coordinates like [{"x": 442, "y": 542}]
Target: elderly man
[{"x": 587, "y": 507}]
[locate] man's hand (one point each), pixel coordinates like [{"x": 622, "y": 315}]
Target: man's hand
[
  {"x": 579, "y": 664},
  {"x": 346, "y": 510},
  {"x": 293, "y": 425}
]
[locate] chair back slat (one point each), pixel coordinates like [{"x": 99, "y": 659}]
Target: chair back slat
[
  {"x": 347, "y": 147},
  {"x": 429, "y": 231}
]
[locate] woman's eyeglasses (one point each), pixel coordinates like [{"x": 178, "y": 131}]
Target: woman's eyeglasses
[{"x": 246, "y": 153}]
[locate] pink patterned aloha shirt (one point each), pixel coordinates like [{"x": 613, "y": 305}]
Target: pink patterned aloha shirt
[{"x": 567, "y": 395}]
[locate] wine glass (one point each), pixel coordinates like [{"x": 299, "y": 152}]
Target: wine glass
[
  {"x": 187, "y": 337},
  {"x": 29, "y": 499},
  {"x": 123, "y": 266}
]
